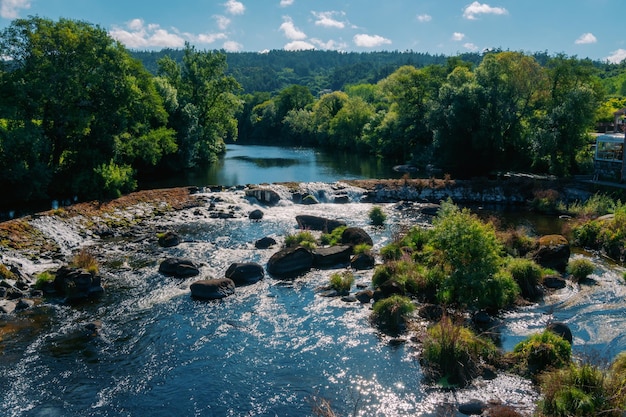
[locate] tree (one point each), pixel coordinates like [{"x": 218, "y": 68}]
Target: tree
[
  {"x": 207, "y": 105},
  {"x": 89, "y": 100}
]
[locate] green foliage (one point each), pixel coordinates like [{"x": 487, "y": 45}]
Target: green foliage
[
  {"x": 517, "y": 242},
  {"x": 527, "y": 274},
  {"x": 377, "y": 216},
  {"x": 582, "y": 390},
  {"x": 541, "y": 352},
  {"x": 115, "y": 180},
  {"x": 608, "y": 234},
  {"x": 43, "y": 278},
  {"x": 595, "y": 206},
  {"x": 545, "y": 201},
  {"x": 342, "y": 281},
  {"x": 390, "y": 313},
  {"x": 304, "y": 239},
  {"x": 452, "y": 353},
  {"x": 580, "y": 268},
  {"x": 333, "y": 238},
  {"x": 469, "y": 251},
  {"x": 362, "y": 248}
]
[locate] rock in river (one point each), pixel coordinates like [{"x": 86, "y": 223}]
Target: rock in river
[
  {"x": 245, "y": 273},
  {"x": 332, "y": 256},
  {"x": 212, "y": 289},
  {"x": 290, "y": 262},
  {"x": 309, "y": 222},
  {"x": 179, "y": 268}
]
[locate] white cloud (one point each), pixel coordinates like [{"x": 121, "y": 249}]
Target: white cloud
[
  {"x": 370, "y": 41},
  {"x": 222, "y": 21},
  {"x": 472, "y": 11},
  {"x": 298, "y": 46},
  {"x": 424, "y": 18},
  {"x": 291, "y": 31},
  {"x": 586, "y": 38},
  {"x": 138, "y": 34},
  {"x": 208, "y": 37},
  {"x": 617, "y": 56},
  {"x": 234, "y": 7},
  {"x": 233, "y": 46},
  {"x": 470, "y": 46},
  {"x": 327, "y": 19},
  {"x": 331, "y": 45},
  {"x": 9, "y": 9},
  {"x": 285, "y": 3},
  {"x": 457, "y": 36}
]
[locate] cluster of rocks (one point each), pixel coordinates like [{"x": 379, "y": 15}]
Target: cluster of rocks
[{"x": 19, "y": 291}]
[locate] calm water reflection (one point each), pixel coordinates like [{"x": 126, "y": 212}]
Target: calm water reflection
[{"x": 253, "y": 164}]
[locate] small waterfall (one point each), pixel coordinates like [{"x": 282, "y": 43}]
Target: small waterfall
[
  {"x": 61, "y": 232},
  {"x": 337, "y": 192}
]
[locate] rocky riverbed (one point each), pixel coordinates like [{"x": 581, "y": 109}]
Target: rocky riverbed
[{"x": 132, "y": 237}]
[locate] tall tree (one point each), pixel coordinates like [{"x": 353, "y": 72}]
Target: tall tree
[
  {"x": 94, "y": 105},
  {"x": 207, "y": 104}
]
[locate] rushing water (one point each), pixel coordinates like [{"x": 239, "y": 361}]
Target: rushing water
[{"x": 267, "y": 350}]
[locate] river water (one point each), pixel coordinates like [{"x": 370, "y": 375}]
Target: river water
[{"x": 267, "y": 350}]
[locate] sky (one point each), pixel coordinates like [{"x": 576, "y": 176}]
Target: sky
[{"x": 581, "y": 28}]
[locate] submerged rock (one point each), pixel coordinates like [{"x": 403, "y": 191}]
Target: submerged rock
[
  {"x": 290, "y": 262},
  {"x": 212, "y": 289},
  {"x": 561, "y": 329},
  {"x": 179, "y": 268},
  {"x": 245, "y": 273}
]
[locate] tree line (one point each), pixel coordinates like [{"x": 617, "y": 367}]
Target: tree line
[{"x": 83, "y": 116}]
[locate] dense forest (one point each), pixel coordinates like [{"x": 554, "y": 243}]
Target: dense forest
[{"x": 83, "y": 116}]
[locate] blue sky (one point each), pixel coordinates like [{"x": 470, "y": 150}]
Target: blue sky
[{"x": 583, "y": 28}]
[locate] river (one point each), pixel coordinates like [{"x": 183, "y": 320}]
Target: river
[{"x": 267, "y": 350}]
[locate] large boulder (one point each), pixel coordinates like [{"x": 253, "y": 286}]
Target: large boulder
[
  {"x": 179, "y": 268},
  {"x": 553, "y": 252},
  {"x": 332, "y": 256},
  {"x": 212, "y": 289},
  {"x": 77, "y": 284},
  {"x": 290, "y": 262},
  {"x": 355, "y": 236},
  {"x": 264, "y": 195},
  {"x": 309, "y": 222},
  {"x": 245, "y": 273}
]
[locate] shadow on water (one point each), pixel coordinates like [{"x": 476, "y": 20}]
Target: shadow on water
[{"x": 269, "y": 162}]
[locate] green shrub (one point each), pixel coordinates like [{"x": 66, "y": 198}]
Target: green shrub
[
  {"x": 362, "y": 248},
  {"x": 391, "y": 252},
  {"x": 452, "y": 353},
  {"x": 43, "y": 278},
  {"x": 333, "y": 238},
  {"x": 581, "y": 390},
  {"x": 545, "y": 201},
  {"x": 342, "y": 281},
  {"x": 517, "y": 242},
  {"x": 304, "y": 239},
  {"x": 115, "y": 179},
  {"x": 580, "y": 268},
  {"x": 527, "y": 274},
  {"x": 587, "y": 234},
  {"x": 541, "y": 352},
  {"x": 390, "y": 313},
  {"x": 595, "y": 206},
  {"x": 469, "y": 249},
  {"x": 377, "y": 216}
]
